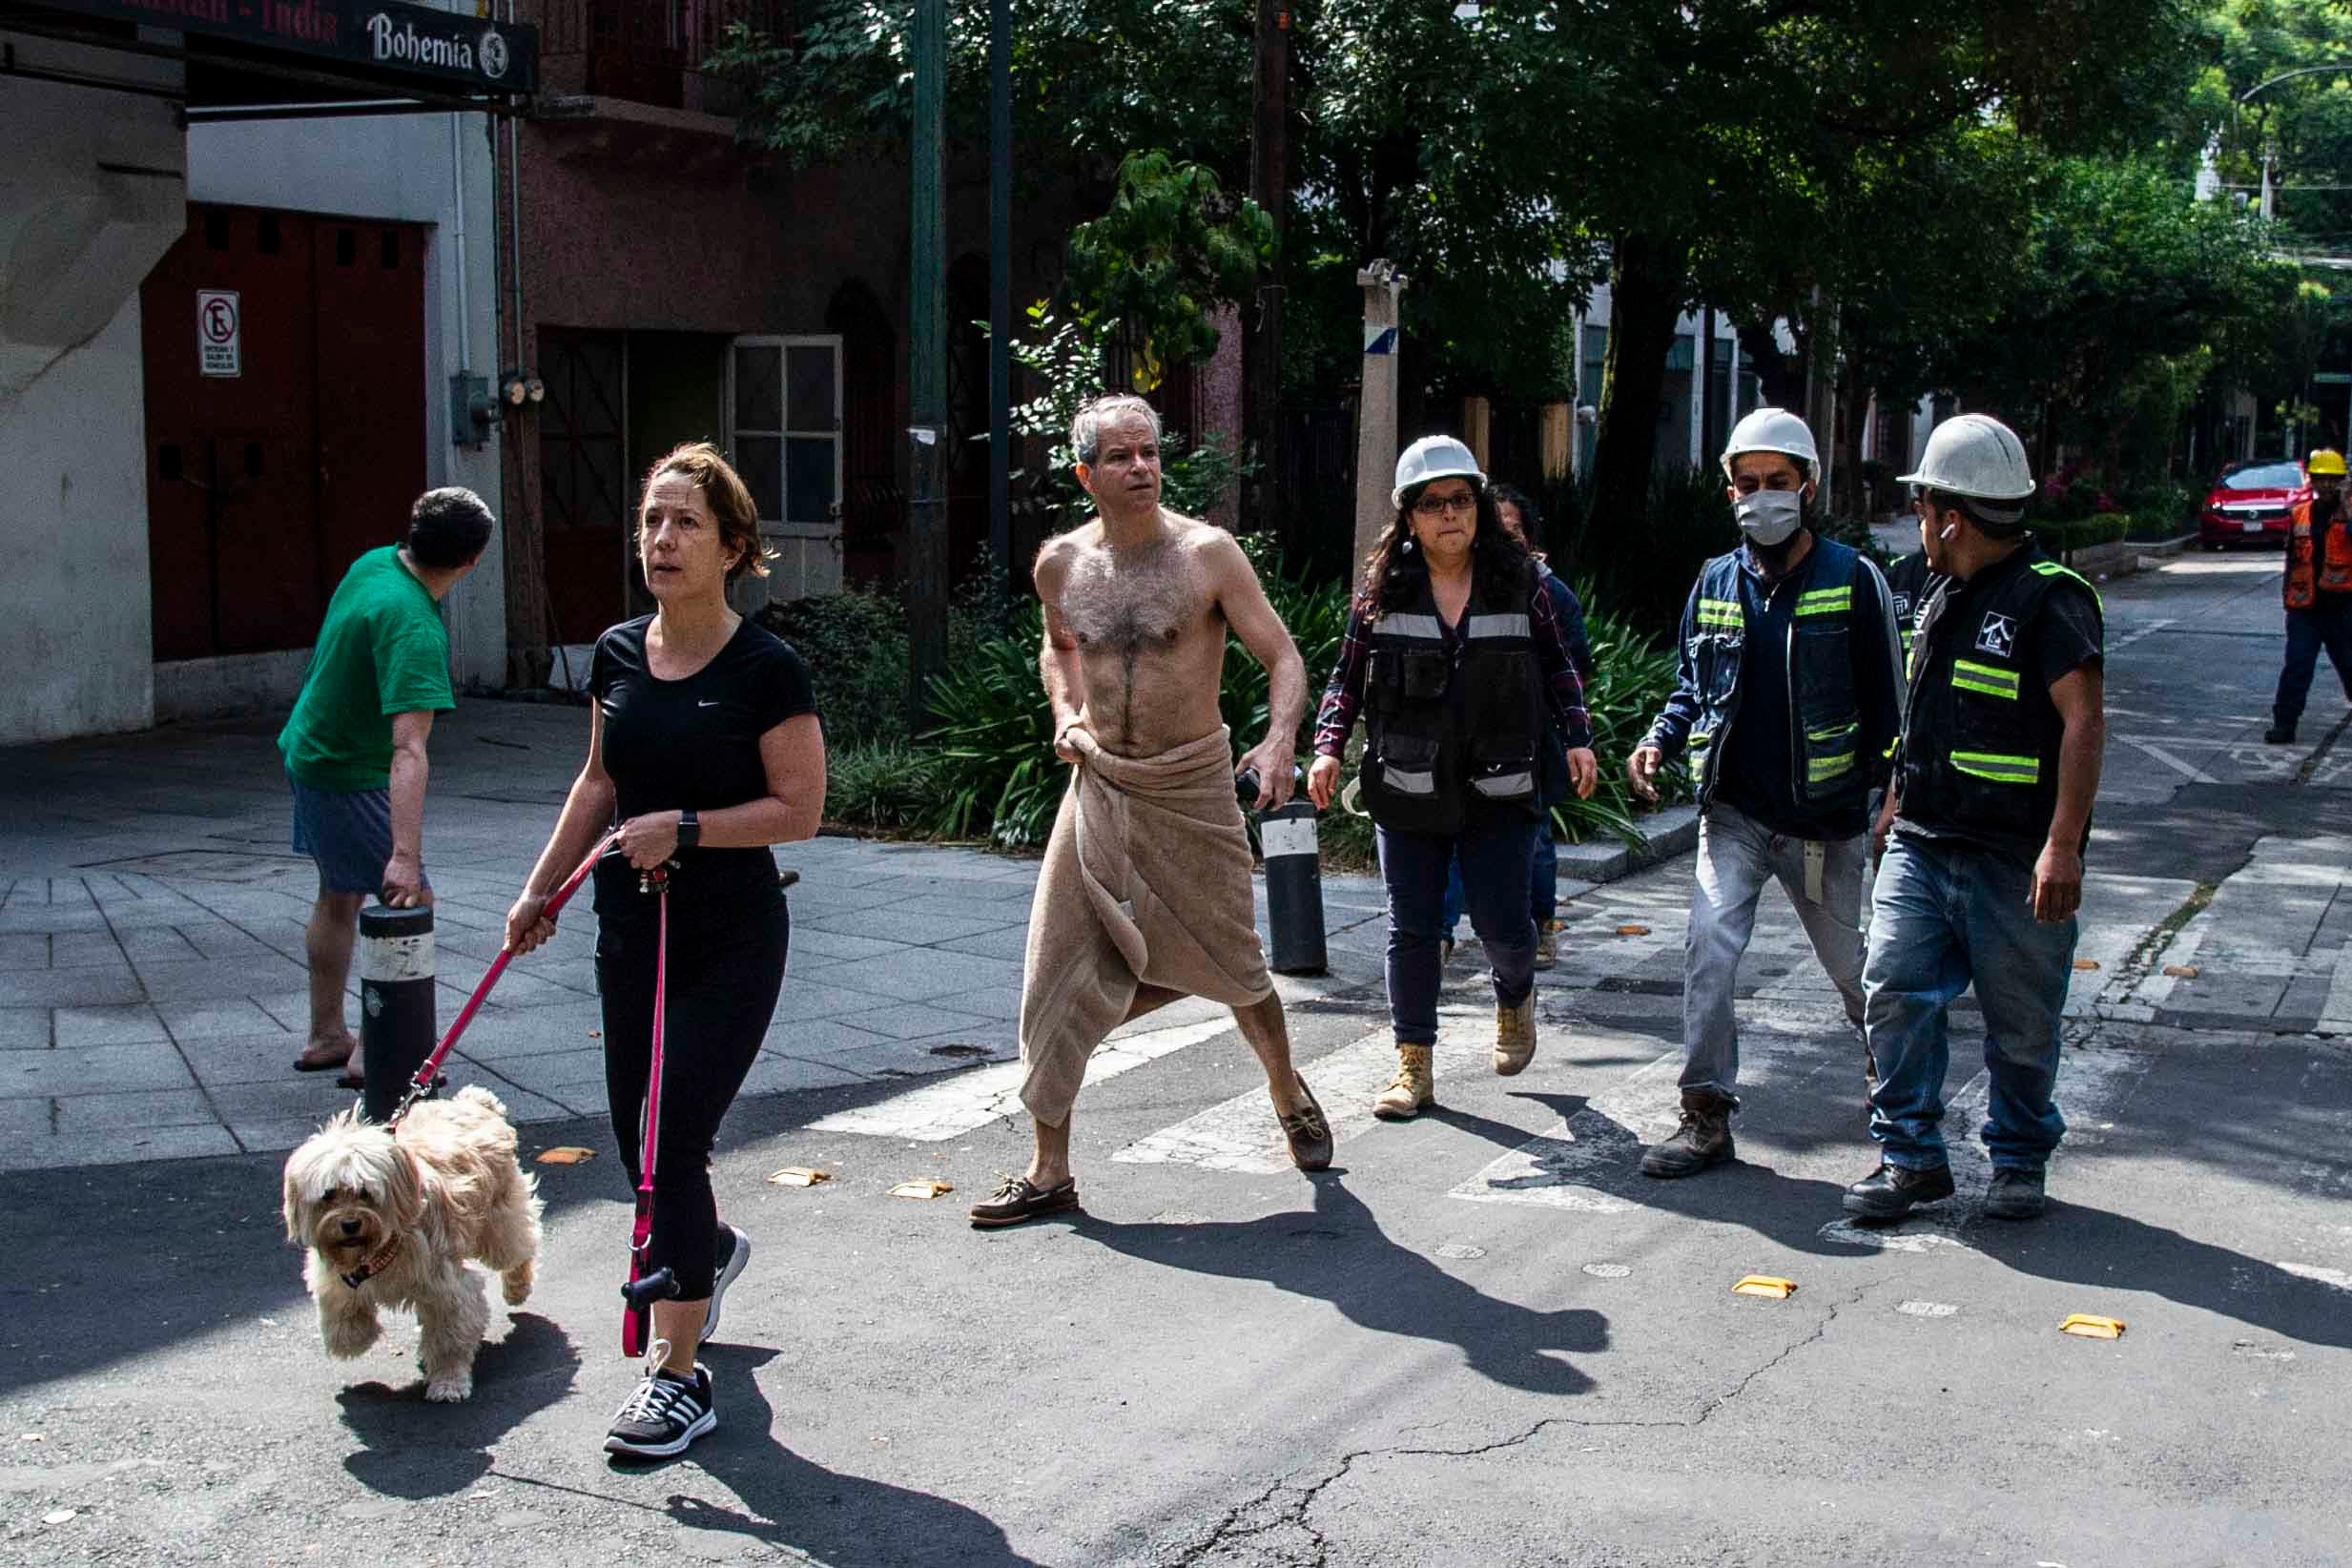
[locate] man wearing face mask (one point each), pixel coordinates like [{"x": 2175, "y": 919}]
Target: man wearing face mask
[{"x": 1787, "y": 702}]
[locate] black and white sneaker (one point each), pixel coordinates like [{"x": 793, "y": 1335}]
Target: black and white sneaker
[
  {"x": 664, "y": 1414},
  {"x": 734, "y": 1250}
]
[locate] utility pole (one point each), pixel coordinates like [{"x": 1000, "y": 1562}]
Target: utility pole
[
  {"x": 999, "y": 303},
  {"x": 926, "y": 564},
  {"x": 1375, "y": 406},
  {"x": 1269, "y": 188}
]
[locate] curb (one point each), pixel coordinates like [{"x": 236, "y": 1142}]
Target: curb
[
  {"x": 2125, "y": 556},
  {"x": 1665, "y": 835}
]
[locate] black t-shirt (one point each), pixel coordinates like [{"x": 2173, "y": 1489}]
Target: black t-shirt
[
  {"x": 671, "y": 745},
  {"x": 2065, "y": 635}
]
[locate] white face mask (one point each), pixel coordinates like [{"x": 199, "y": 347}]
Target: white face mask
[{"x": 1769, "y": 517}]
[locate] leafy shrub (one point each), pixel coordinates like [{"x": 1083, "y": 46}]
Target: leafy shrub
[
  {"x": 992, "y": 742},
  {"x": 1633, "y": 675},
  {"x": 1641, "y": 569},
  {"x": 885, "y": 785},
  {"x": 2061, "y": 539},
  {"x": 2158, "y": 526},
  {"x": 855, "y": 645}
]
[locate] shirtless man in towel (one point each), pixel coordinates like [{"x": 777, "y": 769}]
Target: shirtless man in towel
[{"x": 1144, "y": 896}]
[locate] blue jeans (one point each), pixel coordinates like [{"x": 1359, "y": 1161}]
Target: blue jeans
[
  {"x": 1738, "y": 856},
  {"x": 1542, "y": 882},
  {"x": 1944, "y": 914},
  {"x": 1494, "y": 860},
  {"x": 2328, "y": 624}
]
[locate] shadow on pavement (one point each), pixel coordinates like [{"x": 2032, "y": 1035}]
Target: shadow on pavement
[
  {"x": 1346, "y": 1259},
  {"x": 2072, "y": 1244},
  {"x": 793, "y": 1503},
  {"x": 416, "y": 1450}
]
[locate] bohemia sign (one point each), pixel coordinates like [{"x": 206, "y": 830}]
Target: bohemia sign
[{"x": 452, "y": 49}]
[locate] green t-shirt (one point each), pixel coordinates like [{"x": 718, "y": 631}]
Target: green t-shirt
[{"x": 383, "y": 651}]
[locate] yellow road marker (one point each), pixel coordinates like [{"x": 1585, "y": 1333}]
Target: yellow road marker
[
  {"x": 2089, "y": 1327},
  {"x": 1770, "y": 1286}
]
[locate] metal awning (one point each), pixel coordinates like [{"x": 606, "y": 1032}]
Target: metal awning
[{"x": 271, "y": 59}]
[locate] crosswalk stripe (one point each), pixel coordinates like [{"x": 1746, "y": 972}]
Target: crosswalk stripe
[
  {"x": 1240, "y": 1134},
  {"x": 2093, "y": 1086},
  {"x": 1585, "y": 1161},
  {"x": 970, "y": 1099}
]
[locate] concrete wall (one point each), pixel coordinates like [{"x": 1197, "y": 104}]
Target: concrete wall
[{"x": 91, "y": 195}]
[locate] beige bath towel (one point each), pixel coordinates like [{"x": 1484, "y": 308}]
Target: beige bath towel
[{"x": 1145, "y": 883}]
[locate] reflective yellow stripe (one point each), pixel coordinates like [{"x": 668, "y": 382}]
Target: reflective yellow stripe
[
  {"x": 2001, "y": 770},
  {"x": 1833, "y": 731},
  {"x": 1701, "y": 738},
  {"x": 2052, "y": 569},
  {"x": 1720, "y": 613},
  {"x": 1825, "y": 601},
  {"x": 1971, "y": 676},
  {"x": 1829, "y": 767}
]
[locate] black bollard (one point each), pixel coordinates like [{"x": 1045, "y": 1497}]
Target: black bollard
[
  {"x": 1294, "y": 879},
  {"x": 397, "y": 1026}
]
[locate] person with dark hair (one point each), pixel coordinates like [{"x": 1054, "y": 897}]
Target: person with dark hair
[
  {"x": 1524, "y": 521},
  {"x": 1990, "y": 811},
  {"x": 355, "y": 746},
  {"x": 704, "y": 749},
  {"x": 1456, "y": 659},
  {"x": 1787, "y": 698}
]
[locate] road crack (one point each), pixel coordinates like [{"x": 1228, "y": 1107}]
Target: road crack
[{"x": 1264, "y": 1516}]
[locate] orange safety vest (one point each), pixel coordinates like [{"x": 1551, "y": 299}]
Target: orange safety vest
[{"x": 2334, "y": 573}]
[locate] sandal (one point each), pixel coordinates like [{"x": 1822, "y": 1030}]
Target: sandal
[{"x": 307, "y": 1063}]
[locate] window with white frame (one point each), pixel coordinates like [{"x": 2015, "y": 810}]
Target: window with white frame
[{"x": 784, "y": 429}]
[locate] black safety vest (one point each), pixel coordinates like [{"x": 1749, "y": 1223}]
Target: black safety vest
[
  {"x": 1981, "y": 735},
  {"x": 1451, "y": 732},
  {"x": 1825, "y": 744}
]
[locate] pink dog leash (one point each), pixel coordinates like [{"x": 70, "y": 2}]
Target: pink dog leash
[
  {"x": 644, "y": 1289},
  {"x": 421, "y": 1084}
]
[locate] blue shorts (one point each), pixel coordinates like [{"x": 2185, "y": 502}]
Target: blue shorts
[{"x": 347, "y": 832}]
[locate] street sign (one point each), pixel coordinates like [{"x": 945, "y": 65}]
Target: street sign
[{"x": 219, "y": 350}]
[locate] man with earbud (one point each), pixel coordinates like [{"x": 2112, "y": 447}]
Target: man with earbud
[
  {"x": 1786, "y": 703},
  {"x": 1991, "y": 811}
]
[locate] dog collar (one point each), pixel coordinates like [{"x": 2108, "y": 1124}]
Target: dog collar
[{"x": 373, "y": 1264}]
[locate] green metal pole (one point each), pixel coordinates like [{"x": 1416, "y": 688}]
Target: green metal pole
[{"x": 926, "y": 564}]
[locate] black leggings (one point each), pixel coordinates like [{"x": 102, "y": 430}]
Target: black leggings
[{"x": 724, "y": 977}]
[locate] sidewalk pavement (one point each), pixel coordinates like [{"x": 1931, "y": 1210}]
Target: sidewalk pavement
[{"x": 153, "y": 989}]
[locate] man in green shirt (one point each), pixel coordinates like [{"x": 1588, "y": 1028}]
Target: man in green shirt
[{"x": 355, "y": 745}]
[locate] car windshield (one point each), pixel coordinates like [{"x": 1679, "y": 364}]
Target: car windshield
[{"x": 2268, "y": 476}]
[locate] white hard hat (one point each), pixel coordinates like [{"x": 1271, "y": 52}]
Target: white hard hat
[
  {"x": 1977, "y": 456},
  {"x": 1772, "y": 430},
  {"x": 1432, "y": 457}
]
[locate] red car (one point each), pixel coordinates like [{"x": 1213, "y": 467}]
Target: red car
[{"x": 2252, "y": 504}]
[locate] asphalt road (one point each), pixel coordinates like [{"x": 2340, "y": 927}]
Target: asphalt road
[{"x": 1479, "y": 1339}]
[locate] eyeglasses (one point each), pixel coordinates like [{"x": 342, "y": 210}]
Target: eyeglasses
[{"x": 1437, "y": 505}]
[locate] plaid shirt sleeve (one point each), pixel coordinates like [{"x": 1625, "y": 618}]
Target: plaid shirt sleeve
[
  {"x": 1336, "y": 717},
  {"x": 1560, "y": 685}
]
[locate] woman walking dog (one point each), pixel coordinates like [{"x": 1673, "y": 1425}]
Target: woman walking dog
[{"x": 704, "y": 749}]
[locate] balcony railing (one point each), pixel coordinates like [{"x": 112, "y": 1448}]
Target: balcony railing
[{"x": 651, "y": 52}]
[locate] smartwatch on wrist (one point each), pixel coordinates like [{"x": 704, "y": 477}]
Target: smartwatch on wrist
[{"x": 690, "y": 829}]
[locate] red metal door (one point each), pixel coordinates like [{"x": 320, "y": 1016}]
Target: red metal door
[
  {"x": 263, "y": 485},
  {"x": 369, "y": 329},
  {"x": 584, "y": 489}
]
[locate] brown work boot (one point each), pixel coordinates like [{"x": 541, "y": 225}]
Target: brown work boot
[
  {"x": 1547, "y": 943},
  {"x": 1514, "y": 1036},
  {"x": 1412, "y": 1090},
  {"x": 1702, "y": 1139}
]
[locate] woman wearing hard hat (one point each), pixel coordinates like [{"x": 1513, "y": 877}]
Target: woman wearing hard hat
[{"x": 1454, "y": 656}]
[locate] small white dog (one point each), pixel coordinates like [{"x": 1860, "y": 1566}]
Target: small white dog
[{"x": 390, "y": 1220}]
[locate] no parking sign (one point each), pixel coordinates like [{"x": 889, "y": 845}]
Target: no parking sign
[{"x": 218, "y": 351}]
